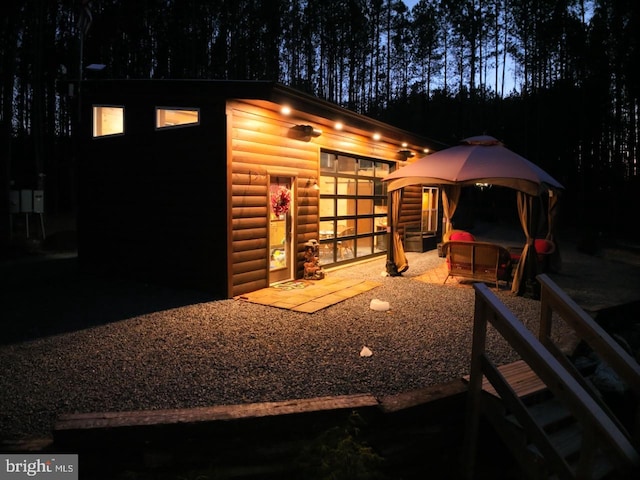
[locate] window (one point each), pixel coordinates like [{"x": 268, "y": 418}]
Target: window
[
  {"x": 353, "y": 207},
  {"x": 108, "y": 120},
  {"x": 175, "y": 117},
  {"x": 430, "y": 209}
]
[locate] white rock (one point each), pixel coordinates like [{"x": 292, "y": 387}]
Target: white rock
[
  {"x": 379, "y": 305},
  {"x": 366, "y": 352}
]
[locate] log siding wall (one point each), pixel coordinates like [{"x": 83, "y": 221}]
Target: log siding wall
[
  {"x": 260, "y": 147},
  {"x": 411, "y": 207},
  {"x": 262, "y": 143}
]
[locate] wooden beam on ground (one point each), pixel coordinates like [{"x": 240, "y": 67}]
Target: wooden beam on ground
[{"x": 83, "y": 421}]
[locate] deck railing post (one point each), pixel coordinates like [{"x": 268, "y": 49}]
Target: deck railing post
[
  {"x": 546, "y": 315},
  {"x": 472, "y": 420}
]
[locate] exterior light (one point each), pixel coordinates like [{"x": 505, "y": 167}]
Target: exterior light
[
  {"x": 285, "y": 110},
  {"x": 405, "y": 154},
  {"x": 338, "y": 126},
  {"x": 377, "y": 136},
  {"x": 307, "y": 131}
]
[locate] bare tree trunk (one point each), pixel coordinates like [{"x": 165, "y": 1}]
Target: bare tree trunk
[
  {"x": 8, "y": 50},
  {"x": 496, "y": 50},
  {"x": 505, "y": 47},
  {"x": 388, "y": 63},
  {"x": 38, "y": 119}
]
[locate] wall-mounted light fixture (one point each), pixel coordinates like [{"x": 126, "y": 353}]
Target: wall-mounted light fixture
[
  {"x": 405, "y": 154},
  {"x": 313, "y": 183},
  {"x": 305, "y": 132}
]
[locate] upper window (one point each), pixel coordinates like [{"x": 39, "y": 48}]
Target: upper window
[
  {"x": 108, "y": 120},
  {"x": 167, "y": 117}
]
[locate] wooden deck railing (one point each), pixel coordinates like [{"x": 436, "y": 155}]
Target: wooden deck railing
[
  {"x": 553, "y": 299},
  {"x": 600, "y": 428}
]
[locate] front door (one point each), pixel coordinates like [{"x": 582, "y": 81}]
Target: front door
[{"x": 280, "y": 229}]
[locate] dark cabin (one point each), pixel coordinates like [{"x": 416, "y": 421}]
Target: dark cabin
[{"x": 218, "y": 185}]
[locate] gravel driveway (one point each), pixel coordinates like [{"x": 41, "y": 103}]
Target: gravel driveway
[{"x": 76, "y": 343}]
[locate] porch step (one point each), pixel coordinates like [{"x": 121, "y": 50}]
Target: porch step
[
  {"x": 550, "y": 415},
  {"x": 563, "y": 433},
  {"x": 524, "y": 381},
  {"x": 567, "y": 442}
]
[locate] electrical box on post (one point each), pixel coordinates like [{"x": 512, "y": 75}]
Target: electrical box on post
[
  {"x": 26, "y": 201},
  {"x": 38, "y": 201}
]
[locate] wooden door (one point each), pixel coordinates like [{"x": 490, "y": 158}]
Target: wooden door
[{"x": 281, "y": 251}]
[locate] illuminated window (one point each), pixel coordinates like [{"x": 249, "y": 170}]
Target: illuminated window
[
  {"x": 176, "y": 117},
  {"x": 353, "y": 207},
  {"x": 108, "y": 121},
  {"x": 430, "y": 209}
]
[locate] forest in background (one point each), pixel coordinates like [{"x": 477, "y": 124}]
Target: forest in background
[{"x": 555, "y": 80}]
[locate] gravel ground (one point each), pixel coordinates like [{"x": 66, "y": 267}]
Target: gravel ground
[{"x": 75, "y": 343}]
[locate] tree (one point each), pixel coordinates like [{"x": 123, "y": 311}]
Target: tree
[
  {"x": 442, "y": 69},
  {"x": 426, "y": 50}
]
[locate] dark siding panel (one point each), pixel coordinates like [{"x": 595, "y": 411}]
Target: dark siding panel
[{"x": 152, "y": 203}]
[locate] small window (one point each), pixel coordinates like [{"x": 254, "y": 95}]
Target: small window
[
  {"x": 176, "y": 117},
  {"x": 429, "y": 209},
  {"x": 108, "y": 120}
]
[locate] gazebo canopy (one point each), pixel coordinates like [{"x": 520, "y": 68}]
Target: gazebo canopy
[{"x": 481, "y": 159}]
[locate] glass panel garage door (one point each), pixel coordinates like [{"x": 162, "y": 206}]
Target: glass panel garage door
[{"x": 353, "y": 208}]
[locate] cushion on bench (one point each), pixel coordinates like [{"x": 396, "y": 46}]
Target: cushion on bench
[
  {"x": 462, "y": 236},
  {"x": 543, "y": 249}
]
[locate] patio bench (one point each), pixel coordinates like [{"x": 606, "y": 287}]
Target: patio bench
[{"x": 479, "y": 261}]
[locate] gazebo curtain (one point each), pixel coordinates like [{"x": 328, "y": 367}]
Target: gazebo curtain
[
  {"x": 396, "y": 258},
  {"x": 450, "y": 199},
  {"x": 527, "y": 269},
  {"x": 529, "y": 213},
  {"x": 552, "y": 220}
]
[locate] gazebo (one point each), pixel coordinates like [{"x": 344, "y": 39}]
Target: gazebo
[{"x": 478, "y": 160}]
